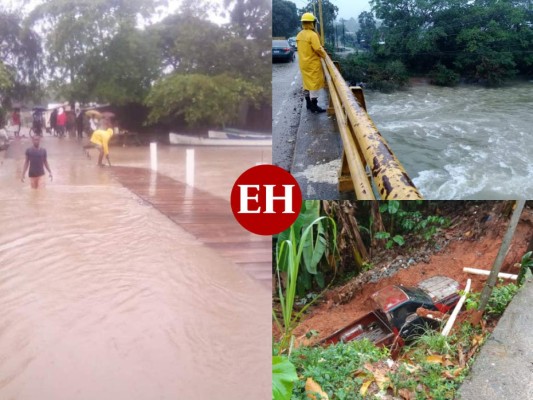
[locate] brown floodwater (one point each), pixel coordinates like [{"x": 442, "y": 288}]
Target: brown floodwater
[{"x": 103, "y": 297}]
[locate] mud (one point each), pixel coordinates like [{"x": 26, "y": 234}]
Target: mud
[{"x": 465, "y": 244}]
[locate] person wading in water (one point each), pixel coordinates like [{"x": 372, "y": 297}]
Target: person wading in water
[{"x": 36, "y": 161}]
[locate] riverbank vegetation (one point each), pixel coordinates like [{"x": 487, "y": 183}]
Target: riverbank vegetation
[
  {"x": 486, "y": 42},
  {"x": 356, "y": 248},
  {"x": 164, "y": 66}
]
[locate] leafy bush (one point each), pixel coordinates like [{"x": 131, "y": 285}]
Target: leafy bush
[
  {"x": 398, "y": 239},
  {"x": 442, "y": 76},
  {"x": 201, "y": 99},
  {"x": 355, "y": 68},
  {"x": 525, "y": 264},
  {"x": 404, "y": 221},
  {"x": 432, "y": 367},
  {"x": 383, "y": 76},
  {"x": 333, "y": 367},
  {"x": 500, "y": 298}
]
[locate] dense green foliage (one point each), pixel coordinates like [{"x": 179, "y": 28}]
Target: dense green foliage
[
  {"x": 20, "y": 57},
  {"x": 429, "y": 368},
  {"x": 334, "y": 367},
  {"x": 442, "y": 76},
  {"x": 499, "y": 299},
  {"x": 379, "y": 74},
  {"x": 112, "y": 51},
  {"x": 94, "y": 50},
  {"x": 486, "y": 41},
  {"x": 285, "y": 19},
  {"x": 367, "y": 29},
  {"x": 200, "y": 99}
]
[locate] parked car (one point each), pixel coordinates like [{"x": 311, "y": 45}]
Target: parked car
[
  {"x": 395, "y": 318},
  {"x": 292, "y": 42},
  {"x": 282, "y": 50}
]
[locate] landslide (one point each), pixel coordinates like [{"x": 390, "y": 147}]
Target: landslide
[{"x": 472, "y": 240}]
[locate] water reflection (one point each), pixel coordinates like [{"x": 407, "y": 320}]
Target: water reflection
[{"x": 189, "y": 166}]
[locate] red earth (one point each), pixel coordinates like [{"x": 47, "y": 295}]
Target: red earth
[{"x": 469, "y": 246}]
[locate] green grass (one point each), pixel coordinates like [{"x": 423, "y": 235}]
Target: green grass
[
  {"x": 428, "y": 368},
  {"x": 334, "y": 367}
]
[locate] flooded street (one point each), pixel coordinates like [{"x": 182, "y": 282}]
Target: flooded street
[
  {"x": 467, "y": 142},
  {"x": 104, "y": 297}
]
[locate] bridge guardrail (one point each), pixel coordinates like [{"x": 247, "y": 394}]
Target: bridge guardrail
[{"x": 365, "y": 150}]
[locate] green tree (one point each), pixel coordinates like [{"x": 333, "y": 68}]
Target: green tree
[
  {"x": 485, "y": 40},
  {"x": 21, "y": 65},
  {"x": 285, "y": 20},
  {"x": 6, "y": 80},
  {"x": 367, "y": 29},
  {"x": 201, "y": 100},
  {"x": 80, "y": 38},
  {"x": 251, "y": 19},
  {"x": 214, "y": 65}
]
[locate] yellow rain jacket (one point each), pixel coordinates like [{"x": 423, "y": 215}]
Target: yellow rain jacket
[
  {"x": 101, "y": 138},
  {"x": 309, "y": 53}
]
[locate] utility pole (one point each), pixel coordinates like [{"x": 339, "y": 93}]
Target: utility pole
[
  {"x": 321, "y": 22},
  {"x": 491, "y": 282}
]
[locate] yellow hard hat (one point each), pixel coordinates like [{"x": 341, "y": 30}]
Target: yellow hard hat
[{"x": 308, "y": 17}]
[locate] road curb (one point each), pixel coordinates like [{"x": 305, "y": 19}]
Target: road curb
[
  {"x": 317, "y": 154},
  {"x": 504, "y": 366}
]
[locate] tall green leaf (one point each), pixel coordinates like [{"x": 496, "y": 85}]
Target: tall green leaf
[{"x": 283, "y": 378}]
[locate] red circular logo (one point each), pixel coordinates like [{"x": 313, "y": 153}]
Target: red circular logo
[{"x": 266, "y": 199}]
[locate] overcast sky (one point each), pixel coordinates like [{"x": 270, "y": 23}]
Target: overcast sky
[
  {"x": 351, "y": 8},
  {"x": 347, "y": 8}
]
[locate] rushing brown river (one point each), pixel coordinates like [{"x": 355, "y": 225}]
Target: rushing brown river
[
  {"x": 103, "y": 297},
  {"x": 466, "y": 142}
]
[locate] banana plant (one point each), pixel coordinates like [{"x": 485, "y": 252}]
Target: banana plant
[{"x": 299, "y": 244}]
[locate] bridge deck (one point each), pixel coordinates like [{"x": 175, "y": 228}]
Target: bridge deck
[{"x": 206, "y": 217}]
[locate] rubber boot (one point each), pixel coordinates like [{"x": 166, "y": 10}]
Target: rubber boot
[
  {"x": 308, "y": 102},
  {"x": 315, "y": 108}
]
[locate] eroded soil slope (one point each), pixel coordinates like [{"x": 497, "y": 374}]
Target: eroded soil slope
[{"x": 473, "y": 240}]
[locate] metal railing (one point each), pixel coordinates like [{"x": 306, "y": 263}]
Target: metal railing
[{"x": 367, "y": 158}]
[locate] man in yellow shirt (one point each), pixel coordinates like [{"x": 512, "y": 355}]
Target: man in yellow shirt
[
  {"x": 310, "y": 52},
  {"x": 100, "y": 139}
]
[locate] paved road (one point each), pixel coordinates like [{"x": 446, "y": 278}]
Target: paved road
[
  {"x": 305, "y": 144},
  {"x": 286, "y": 107},
  {"x": 504, "y": 368}
]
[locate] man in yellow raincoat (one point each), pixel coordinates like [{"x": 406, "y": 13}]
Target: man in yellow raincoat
[
  {"x": 100, "y": 139},
  {"x": 310, "y": 52}
]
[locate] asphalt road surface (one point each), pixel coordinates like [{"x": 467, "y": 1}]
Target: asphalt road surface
[{"x": 286, "y": 108}]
